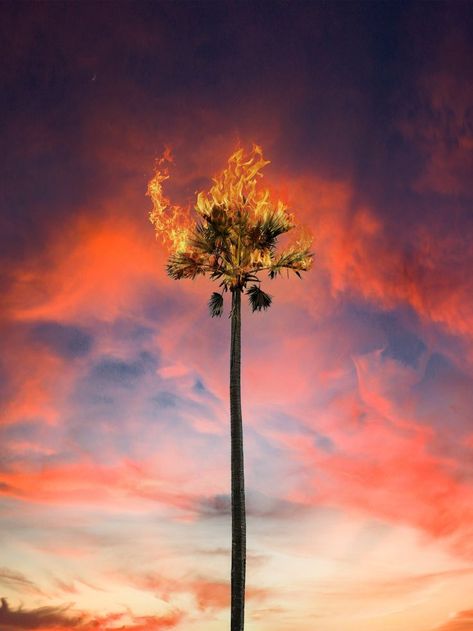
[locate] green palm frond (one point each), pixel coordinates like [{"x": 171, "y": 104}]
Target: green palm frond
[
  {"x": 186, "y": 265},
  {"x": 216, "y": 305},
  {"x": 258, "y": 298},
  {"x": 297, "y": 260}
]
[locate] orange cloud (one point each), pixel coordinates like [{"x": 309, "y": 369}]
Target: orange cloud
[
  {"x": 461, "y": 621},
  {"x": 209, "y": 594},
  {"x": 93, "y": 268},
  {"x": 216, "y": 594},
  {"x": 388, "y": 471},
  {"x": 35, "y": 385},
  {"x": 90, "y": 483},
  {"x": 426, "y": 267}
]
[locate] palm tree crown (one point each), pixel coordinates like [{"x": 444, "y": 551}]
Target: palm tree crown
[{"x": 235, "y": 235}]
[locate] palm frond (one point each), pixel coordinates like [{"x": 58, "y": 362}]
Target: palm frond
[
  {"x": 270, "y": 226},
  {"x": 216, "y": 305},
  {"x": 258, "y": 298},
  {"x": 249, "y": 276},
  {"x": 295, "y": 259},
  {"x": 185, "y": 265},
  {"x": 201, "y": 239}
]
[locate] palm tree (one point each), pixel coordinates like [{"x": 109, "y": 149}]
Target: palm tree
[{"x": 233, "y": 241}]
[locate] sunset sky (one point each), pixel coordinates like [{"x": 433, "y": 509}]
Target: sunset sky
[{"x": 357, "y": 384}]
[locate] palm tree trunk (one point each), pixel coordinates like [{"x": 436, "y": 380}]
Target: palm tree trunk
[{"x": 238, "y": 478}]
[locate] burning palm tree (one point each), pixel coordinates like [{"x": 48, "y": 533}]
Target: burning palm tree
[{"x": 233, "y": 240}]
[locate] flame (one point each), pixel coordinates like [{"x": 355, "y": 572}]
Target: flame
[
  {"x": 259, "y": 258},
  {"x": 170, "y": 222},
  {"x": 234, "y": 190},
  {"x": 236, "y": 187}
]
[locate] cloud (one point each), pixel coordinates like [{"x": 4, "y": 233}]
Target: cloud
[
  {"x": 67, "y": 341},
  {"x": 208, "y": 594},
  {"x": 423, "y": 266},
  {"x": 386, "y": 460},
  {"x": 258, "y": 505},
  {"x": 117, "y": 372},
  {"x": 92, "y": 268},
  {"x": 461, "y": 621},
  {"x": 61, "y": 618},
  {"x": 40, "y": 618},
  {"x": 216, "y": 594},
  {"x": 18, "y": 581},
  {"x": 89, "y": 483},
  {"x": 405, "y": 585}
]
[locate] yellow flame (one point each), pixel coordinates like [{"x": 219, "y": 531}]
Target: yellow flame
[
  {"x": 236, "y": 186},
  {"x": 233, "y": 190},
  {"x": 259, "y": 258},
  {"x": 170, "y": 221}
]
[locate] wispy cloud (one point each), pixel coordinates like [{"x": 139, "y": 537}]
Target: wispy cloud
[{"x": 50, "y": 618}]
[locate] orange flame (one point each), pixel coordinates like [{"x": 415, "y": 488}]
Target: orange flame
[
  {"x": 170, "y": 221},
  {"x": 236, "y": 187},
  {"x": 233, "y": 190}
]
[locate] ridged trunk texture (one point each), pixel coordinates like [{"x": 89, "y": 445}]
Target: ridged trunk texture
[{"x": 238, "y": 478}]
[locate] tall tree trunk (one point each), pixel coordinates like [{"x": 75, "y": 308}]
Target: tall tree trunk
[{"x": 238, "y": 478}]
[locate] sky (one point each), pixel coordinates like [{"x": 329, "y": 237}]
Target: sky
[{"x": 357, "y": 384}]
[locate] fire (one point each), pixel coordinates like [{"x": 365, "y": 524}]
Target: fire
[
  {"x": 171, "y": 222},
  {"x": 236, "y": 187},
  {"x": 234, "y": 190}
]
